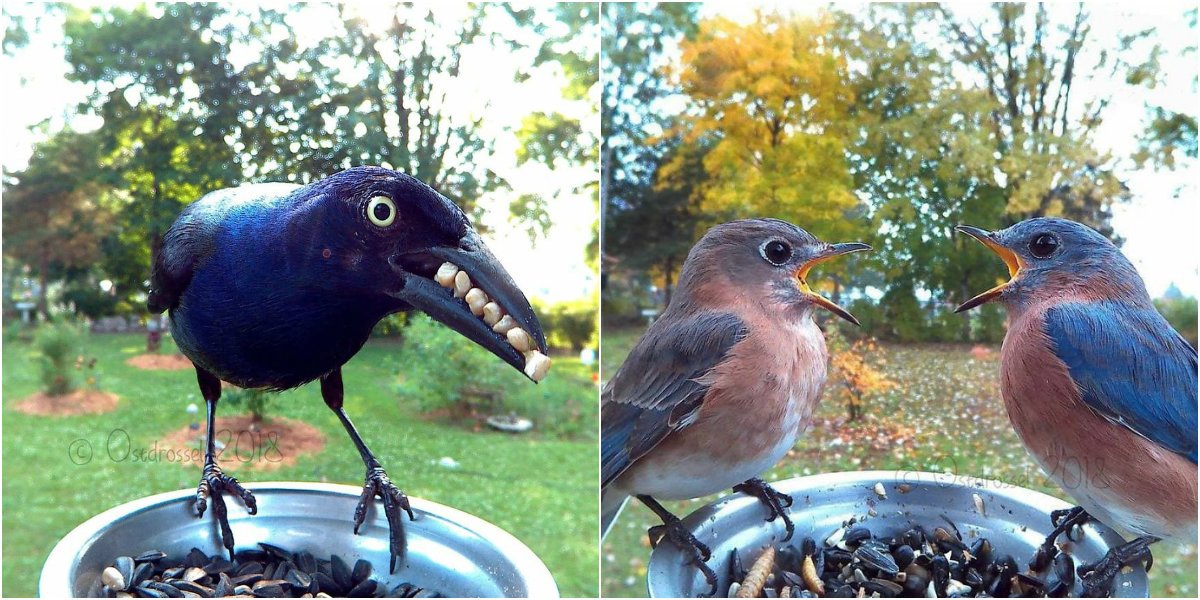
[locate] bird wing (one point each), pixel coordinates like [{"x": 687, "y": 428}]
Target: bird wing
[
  {"x": 656, "y": 392},
  {"x": 1132, "y": 368},
  {"x": 192, "y": 238},
  {"x": 183, "y": 245}
]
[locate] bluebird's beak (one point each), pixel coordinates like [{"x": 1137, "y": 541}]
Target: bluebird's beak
[
  {"x": 1010, "y": 258},
  {"x": 486, "y": 273},
  {"x": 801, "y": 275}
]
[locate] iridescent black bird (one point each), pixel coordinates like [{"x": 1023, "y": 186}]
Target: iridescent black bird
[{"x": 276, "y": 285}]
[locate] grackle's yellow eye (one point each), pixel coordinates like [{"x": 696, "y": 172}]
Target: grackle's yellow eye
[{"x": 381, "y": 211}]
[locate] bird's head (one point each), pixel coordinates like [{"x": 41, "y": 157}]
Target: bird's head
[
  {"x": 1051, "y": 257},
  {"x": 386, "y": 237},
  {"x": 769, "y": 256}
]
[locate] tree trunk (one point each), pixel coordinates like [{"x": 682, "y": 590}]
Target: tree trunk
[
  {"x": 43, "y": 305},
  {"x": 668, "y": 280}
]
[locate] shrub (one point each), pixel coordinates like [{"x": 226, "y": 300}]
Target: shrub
[
  {"x": 1181, "y": 314},
  {"x": 854, "y": 370},
  {"x": 571, "y": 325},
  {"x": 59, "y": 344},
  {"x": 442, "y": 369},
  {"x": 392, "y": 325},
  {"x": 258, "y": 402}
]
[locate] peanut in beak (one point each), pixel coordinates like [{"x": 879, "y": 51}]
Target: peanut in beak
[{"x": 450, "y": 276}]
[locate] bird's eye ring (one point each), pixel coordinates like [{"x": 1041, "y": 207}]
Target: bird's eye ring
[
  {"x": 776, "y": 252},
  {"x": 1043, "y": 245},
  {"x": 381, "y": 211}
]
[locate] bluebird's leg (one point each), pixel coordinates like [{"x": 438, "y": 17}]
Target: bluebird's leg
[
  {"x": 674, "y": 530},
  {"x": 777, "y": 502},
  {"x": 1064, "y": 521},
  {"x": 377, "y": 482},
  {"x": 214, "y": 482},
  {"x": 1098, "y": 577}
]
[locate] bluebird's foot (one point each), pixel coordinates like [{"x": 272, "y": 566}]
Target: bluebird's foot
[
  {"x": 1098, "y": 578},
  {"x": 378, "y": 484},
  {"x": 1064, "y": 521},
  {"x": 777, "y": 502},
  {"x": 674, "y": 530},
  {"x": 214, "y": 483}
]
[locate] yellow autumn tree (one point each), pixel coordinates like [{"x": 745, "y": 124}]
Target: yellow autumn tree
[
  {"x": 771, "y": 100},
  {"x": 859, "y": 379}
]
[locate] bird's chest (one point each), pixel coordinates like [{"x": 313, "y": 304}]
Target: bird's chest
[
  {"x": 256, "y": 314},
  {"x": 761, "y": 400}
]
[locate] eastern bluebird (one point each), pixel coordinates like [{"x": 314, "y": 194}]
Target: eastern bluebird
[
  {"x": 1099, "y": 387},
  {"x": 720, "y": 386}
]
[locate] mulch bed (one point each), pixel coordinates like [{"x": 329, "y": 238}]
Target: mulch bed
[
  {"x": 160, "y": 362},
  {"x": 267, "y": 445},
  {"x": 79, "y": 402}
]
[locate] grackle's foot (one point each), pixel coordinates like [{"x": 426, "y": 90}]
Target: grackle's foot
[
  {"x": 673, "y": 529},
  {"x": 1098, "y": 578},
  {"x": 777, "y": 502},
  {"x": 1063, "y": 520},
  {"x": 377, "y": 483},
  {"x": 214, "y": 483}
]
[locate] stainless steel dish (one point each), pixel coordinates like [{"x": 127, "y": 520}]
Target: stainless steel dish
[
  {"x": 1015, "y": 519},
  {"x": 449, "y": 551}
]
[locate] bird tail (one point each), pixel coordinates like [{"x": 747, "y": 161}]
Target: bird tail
[{"x": 611, "y": 504}]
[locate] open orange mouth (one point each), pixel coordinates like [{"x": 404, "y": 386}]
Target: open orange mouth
[
  {"x": 801, "y": 275},
  {"x": 1009, "y": 257}
]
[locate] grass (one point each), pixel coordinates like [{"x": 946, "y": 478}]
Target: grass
[
  {"x": 539, "y": 487},
  {"x": 946, "y": 417}
]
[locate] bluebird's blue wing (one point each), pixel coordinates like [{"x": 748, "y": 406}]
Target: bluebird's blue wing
[
  {"x": 655, "y": 391},
  {"x": 1131, "y": 367}
]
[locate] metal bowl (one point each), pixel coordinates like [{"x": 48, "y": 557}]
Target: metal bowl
[
  {"x": 449, "y": 551},
  {"x": 1015, "y": 519}
]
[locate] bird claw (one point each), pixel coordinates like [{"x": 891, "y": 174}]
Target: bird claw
[
  {"x": 777, "y": 502},
  {"x": 1063, "y": 521},
  {"x": 1098, "y": 578},
  {"x": 214, "y": 483},
  {"x": 698, "y": 552},
  {"x": 377, "y": 483}
]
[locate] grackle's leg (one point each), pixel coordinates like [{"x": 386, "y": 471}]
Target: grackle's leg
[
  {"x": 1063, "y": 520},
  {"x": 1098, "y": 577},
  {"x": 214, "y": 482},
  {"x": 377, "y": 482},
  {"x": 674, "y": 530},
  {"x": 777, "y": 502}
]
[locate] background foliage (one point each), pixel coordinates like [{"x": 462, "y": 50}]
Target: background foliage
[{"x": 887, "y": 123}]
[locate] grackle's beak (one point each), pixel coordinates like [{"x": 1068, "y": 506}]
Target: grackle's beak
[
  {"x": 487, "y": 274},
  {"x": 1010, "y": 258},
  {"x": 801, "y": 275}
]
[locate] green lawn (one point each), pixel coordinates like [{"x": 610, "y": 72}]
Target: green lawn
[
  {"x": 946, "y": 416},
  {"x": 539, "y": 487}
]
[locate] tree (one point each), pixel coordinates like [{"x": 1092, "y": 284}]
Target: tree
[
  {"x": 556, "y": 138},
  {"x": 169, "y": 97},
  {"x": 391, "y": 98},
  {"x": 773, "y": 99},
  {"x": 52, "y": 214},
  {"x": 636, "y": 40},
  {"x": 656, "y": 227}
]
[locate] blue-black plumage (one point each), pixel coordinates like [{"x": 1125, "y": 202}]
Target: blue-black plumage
[{"x": 276, "y": 285}]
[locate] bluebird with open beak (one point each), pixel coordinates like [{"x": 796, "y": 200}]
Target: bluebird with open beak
[{"x": 1099, "y": 387}]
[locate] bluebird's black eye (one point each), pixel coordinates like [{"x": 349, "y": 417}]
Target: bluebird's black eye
[
  {"x": 1043, "y": 245},
  {"x": 776, "y": 252},
  {"x": 381, "y": 211}
]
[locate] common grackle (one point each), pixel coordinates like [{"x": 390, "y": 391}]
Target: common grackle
[
  {"x": 1099, "y": 387},
  {"x": 720, "y": 386},
  {"x": 276, "y": 285}
]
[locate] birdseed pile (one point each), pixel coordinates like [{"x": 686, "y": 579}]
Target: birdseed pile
[
  {"x": 854, "y": 562},
  {"x": 269, "y": 572}
]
